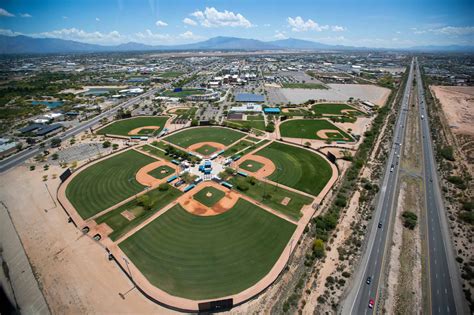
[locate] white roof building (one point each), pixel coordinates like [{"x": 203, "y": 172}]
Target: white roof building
[{"x": 247, "y": 108}]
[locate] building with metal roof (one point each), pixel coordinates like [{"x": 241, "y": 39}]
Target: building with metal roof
[
  {"x": 249, "y": 98},
  {"x": 271, "y": 110}
]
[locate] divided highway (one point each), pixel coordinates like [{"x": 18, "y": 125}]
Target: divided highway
[
  {"x": 365, "y": 289},
  {"x": 446, "y": 296},
  {"x": 443, "y": 275}
]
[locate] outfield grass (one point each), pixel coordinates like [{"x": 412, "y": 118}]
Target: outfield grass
[
  {"x": 106, "y": 183},
  {"x": 156, "y": 152},
  {"x": 121, "y": 225},
  {"x": 237, "y": 147},
  {"x": 307, "y": 129},
  {"x": 272, "y": 196},
  {"x": 255, "y": 117},
  {"x": 206, "y": 149},
  {"x": 297, "y": 168},
  {"x": 253, "y": 139},
  {"x": 209, "y": 201},
  {"x": 255, "y": 146},
  {"x": 255, "y": 165},
  {"x": 161, "y": 172},
  {"x": 191, "y": 136},
  {"x": 123, "y": 127},
  {"x": 146, "y": 131},
  {"x": 334, "y": 109},
  {"x": 313, "y": 86},
  {"x": 296, "y": 112},
  {"x": 247, "y": 124},
  {"x": 200, "y": 257}
]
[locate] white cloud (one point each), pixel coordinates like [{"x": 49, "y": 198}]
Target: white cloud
[
  {"x": 4, "y": 12},
  {"x": 81, "y": 35},
  {"x": 25, "y": 15},
  {"x": 297, "y": 24},
  {"x": 454, "y": 30},
  {"x": 189, "y": 36},
  {"x": 97, "y": 19},
  {"x": 160, "y": 23},
  {"x": 446, "y": 30},
  {"x": 149, "y": 37},
  {"x": 266, "y": 25},
  {"x": 8, "y": 32},
  {"x": 189, "y": 21},
  {"x": 280, "y": 35},
  {"x": 337, "y": 28},
  {"x": 64, "y": 17},
  {"x": 210, "y": 17}
]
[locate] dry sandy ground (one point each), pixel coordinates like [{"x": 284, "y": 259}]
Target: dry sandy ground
[
  {"x": 331, "y": 261},
  {"x": 266, "y": 170},
  {"x": 195, "y": 207},
  {"x": 339, "y": 92},
  {"x": 72, "y": 269},
  {"x": 458, "y": 105}
]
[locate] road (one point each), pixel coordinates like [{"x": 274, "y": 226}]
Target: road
[
  {"x": 30, "y": 152},
  {"x": 371, "y": 264},
  {"x": 22, "y": 156},
  {"x": 443, "y": 275}
]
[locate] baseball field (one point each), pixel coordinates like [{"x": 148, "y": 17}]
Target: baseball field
[
  {"x": 192, "y": 136},
  {"x": 136, "y": 212},
  {"x": 333, "y": 109},
  {"x": 297, "y": 168},
  {"x": 106, "y": 183},
  {"x": 312, "y": 129},
  {"x": 126, "y": 126},
  {"x": 200, "y": 257},
  {"x": 212, "y": 241}
]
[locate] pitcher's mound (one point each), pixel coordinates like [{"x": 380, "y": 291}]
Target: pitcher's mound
[{"x": 209, "y": 195}]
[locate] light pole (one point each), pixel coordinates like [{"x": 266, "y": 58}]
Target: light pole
[{"x": 122, "y": 295}]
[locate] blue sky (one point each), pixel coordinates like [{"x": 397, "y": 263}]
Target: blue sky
[{"x": 348, "y": 22}]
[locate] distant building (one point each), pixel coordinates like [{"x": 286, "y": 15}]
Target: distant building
[
  {"x": 131, "y": 91},
  {"x": 210, "y": 95},
  {"x": 7, "y": 146},
  {"x": 41, "y": 129},
  {"x": 247, "y": 108},
  {"x": 271, "y": 110}
]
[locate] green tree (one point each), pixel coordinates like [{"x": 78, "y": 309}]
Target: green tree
[
  {"x": 163, "y": 187},
  {"x": 106, "y": 144},
  {"x": 409, "y": 219},
  {"x": 318, "y": 248}
]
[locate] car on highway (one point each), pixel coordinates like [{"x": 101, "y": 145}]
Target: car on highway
[
  {"x": 369, "y": 280},
  {"x": 371, "y": 303},
  {"x": 380, "y": 225}
]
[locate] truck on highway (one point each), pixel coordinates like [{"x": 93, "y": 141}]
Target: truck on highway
[{"x": 422, "y": 116}]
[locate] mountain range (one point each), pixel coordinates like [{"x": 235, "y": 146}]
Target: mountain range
[{"x": 29, "y": 45}]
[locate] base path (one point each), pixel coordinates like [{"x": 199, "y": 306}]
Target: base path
[
  {"x": 323, "y": 133},
  {"x": 136, "y": 131},
  {"x": 217, "y": 145},
  {"x": 146, "y": 179},
  {"x": 266, "y": 170},
  {"x": 195, "y": 207}
]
